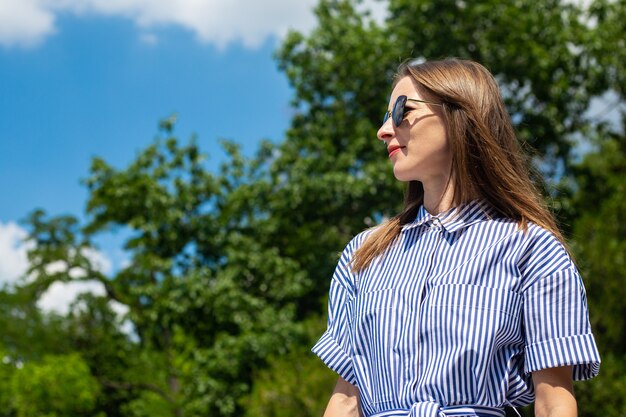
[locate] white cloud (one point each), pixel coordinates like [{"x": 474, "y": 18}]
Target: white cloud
[
  {"x": 60, "y": 295},
  {"x": 26, "y": 22},
  {"x": 13, "y": 260},
  {"x": 126, "y": 326},
  {"x": 119, "y": 308},
  {"x": 55, "y": 267},
  {"x": 98, "y": 260}
]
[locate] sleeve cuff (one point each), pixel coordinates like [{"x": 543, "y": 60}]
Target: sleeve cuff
[
  {"x": 333, "y": 355},
  {"x": 579, "y": 351}
]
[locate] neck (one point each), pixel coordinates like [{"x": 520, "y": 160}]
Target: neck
[{"x": 438, "y": 195}]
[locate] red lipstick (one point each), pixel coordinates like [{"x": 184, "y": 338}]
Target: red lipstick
[{"x": 392, "y": 149}]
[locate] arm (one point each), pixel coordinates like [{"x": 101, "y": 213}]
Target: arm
[
  {"x": 344, "y": 401},
  {"x": 554, "y": 392}
]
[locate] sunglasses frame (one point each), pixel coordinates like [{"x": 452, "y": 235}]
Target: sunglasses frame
[{"x": 397, "y": 113}]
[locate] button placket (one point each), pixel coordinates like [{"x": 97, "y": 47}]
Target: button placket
[{"x": 435, "y": 227}]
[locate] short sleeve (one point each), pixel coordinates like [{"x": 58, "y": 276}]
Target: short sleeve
[
  {"x": 556, "y": 325},
  {"x": 334, "y": 347}
]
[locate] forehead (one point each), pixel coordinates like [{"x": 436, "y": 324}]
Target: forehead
[{"x": 405, "y": 86}]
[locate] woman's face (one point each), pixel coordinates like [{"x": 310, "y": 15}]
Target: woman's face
[{"x": 418, "y": 147}]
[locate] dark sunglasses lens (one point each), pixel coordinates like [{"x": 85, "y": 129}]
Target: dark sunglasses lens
[
  {"x": 398, "y": 110},
  {"x": 386, "y": 117}
]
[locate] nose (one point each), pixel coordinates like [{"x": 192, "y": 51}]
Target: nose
[{"x": 386, "y": 132}]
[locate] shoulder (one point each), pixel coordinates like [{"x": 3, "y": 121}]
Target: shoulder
[
  {"x": 343, "y": 273},
  {"x": 358, "y": 240},
  {"x": 541, "y": 254}
]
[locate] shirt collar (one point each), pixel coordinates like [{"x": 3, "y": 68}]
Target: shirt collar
[{"x": 455, "y": 218}]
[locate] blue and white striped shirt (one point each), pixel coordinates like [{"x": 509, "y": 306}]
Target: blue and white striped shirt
[{"x": 455, "y": 317}]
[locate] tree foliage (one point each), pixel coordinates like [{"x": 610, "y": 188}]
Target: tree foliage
[
  {"x": 207, "y": 300},
  {"x": 56, "y": 386}
]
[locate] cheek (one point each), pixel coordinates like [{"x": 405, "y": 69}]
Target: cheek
[
  {"x": 446, "y": 148},
  {"x": 440, "y": 140},
  {"x": 433, "y": 141}
]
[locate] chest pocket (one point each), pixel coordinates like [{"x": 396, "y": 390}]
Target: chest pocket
[
  {"x": 463, "y": 328},
  {"x": 466, "y": 310},
  {"x": 374, "y": 329}
]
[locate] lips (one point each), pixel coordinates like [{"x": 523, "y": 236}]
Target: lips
[{"x": 393, "y": 149}]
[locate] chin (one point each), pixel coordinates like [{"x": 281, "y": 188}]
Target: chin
[{"x": 404, "y": 176}]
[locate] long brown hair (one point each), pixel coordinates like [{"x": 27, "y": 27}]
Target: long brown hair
[{"x": 487, "y": 159}]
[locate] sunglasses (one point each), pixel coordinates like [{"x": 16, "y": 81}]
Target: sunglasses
[{"x": 398, "y": 111}]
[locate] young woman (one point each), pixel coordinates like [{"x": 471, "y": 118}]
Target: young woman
[{"x": 468, "y": 300}]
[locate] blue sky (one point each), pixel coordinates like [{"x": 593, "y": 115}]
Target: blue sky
[
  {"x": 85, "y": 78},
  {"x": 96, "y": 88}
]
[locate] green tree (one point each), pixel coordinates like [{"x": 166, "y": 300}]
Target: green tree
[
  {"x": 208, "y": 299},
  {"x": 56, "y": 386},
  {"x": 293, "y": 384},
  {"x": 94, "y": 330},
  {"x": 599, "y": 233},
  {"x": 599, "y": 205},
  {"x": 26, "y": 332},
  {"x": 7, "y": 369},
  {"x": 600, "y": 244}
]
